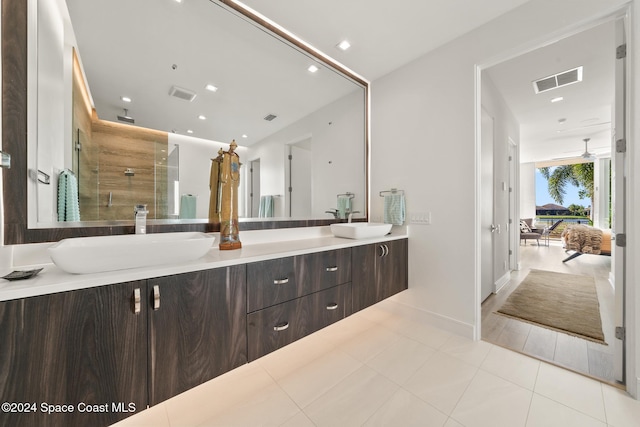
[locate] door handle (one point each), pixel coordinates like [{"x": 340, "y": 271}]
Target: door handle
[
  {"x": 281, "y": 281},
  {"x": 332, "y": 268},
  {"x": 494, "y": 227},
  {"x": 332, "y": 306}
]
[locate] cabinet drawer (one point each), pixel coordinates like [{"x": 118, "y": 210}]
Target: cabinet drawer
[
  {"x": 274, "y": 281},
  {"x": 270, "y": 282},
  {"x": 274, "y": 327}
]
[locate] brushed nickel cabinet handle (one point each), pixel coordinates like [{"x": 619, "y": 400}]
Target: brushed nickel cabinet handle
[
  {"x": 136, "y": 300},
  {"x": 281, "y": 326},
  {"x": 156, "y": 297},
  {"x": 281, "y": 281},
  {"x": 334, "y": 268},
  {"x": 332, "y": 306},
  {"x": 382, "y": 252},
  {"x": 386, "y": 250}
]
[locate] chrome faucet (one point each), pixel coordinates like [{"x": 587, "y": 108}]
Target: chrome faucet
[
  {"x": 140, "y": 214},
  {"x": 350, "y": 215},
  {"x": 333, "y": 212}
]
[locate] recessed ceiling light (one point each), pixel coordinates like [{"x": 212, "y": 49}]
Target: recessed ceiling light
[
  {"x": 178, "y": 1},
  {"x": 201, "y": 117},
  {"x": 125, "y": 99},
  {"x": 557, "y": 99},
  {"x": 343, "y": 45},
  {"x": 211, "y": 88},
  {"x": 313, "y": 68},
  {"x": 245, "y": 136},
  {"x": 189, "y": 131}
]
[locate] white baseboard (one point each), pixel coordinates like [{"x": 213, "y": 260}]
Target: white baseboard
[
  {"x": 446, "y": 323},
  {"x": 501, "y": 282}
]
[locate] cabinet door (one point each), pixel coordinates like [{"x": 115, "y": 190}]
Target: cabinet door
[
  {"x": 393, "y": 268},
  {"x": 364, "y": 283},
  {"x": 79, "y": 348},
  {"x": 274, "y": 327},
  {"x": 379, "y": 271},
  {"x": 197, "y": 331}
]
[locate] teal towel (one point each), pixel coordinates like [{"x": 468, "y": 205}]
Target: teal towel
[
  {"x": 394, "y": 209},
  {"x": 68, "y": 205},
  {"x": 266, "y": 207},
  {"x": 188, "y": 206},
  {"x": 344, "y": 206}
]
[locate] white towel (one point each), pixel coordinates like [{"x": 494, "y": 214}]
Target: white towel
[{"x": 394, "y": 209}]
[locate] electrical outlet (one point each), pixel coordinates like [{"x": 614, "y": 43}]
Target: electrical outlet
[{"x": 420, "y": 218}]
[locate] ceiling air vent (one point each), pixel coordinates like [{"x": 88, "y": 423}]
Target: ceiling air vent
[
  {"x": 182, "y": 93},
  {"x": 270, "y": 117},
  {"x": 558, "y": 80}
]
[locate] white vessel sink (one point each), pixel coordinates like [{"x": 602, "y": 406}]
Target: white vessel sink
[
  {"x": 107, "y": 253},
  {"x": 360, "y": 230}
]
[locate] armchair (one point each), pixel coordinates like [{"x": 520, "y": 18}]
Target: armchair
[{"x": 527, "y": 233}]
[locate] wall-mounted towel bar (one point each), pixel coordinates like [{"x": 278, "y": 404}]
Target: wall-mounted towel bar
[
  {"x": 43, "y": 177},
  {"x": 392, "y": 191},
  {"x": 347, "y": 194}
]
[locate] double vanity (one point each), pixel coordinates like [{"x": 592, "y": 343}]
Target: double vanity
[{"x": 92, "y": 349}]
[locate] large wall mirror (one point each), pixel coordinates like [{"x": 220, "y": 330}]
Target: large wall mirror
[{"x": 130, "y": 101}]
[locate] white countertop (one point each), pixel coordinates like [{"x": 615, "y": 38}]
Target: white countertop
[{"x": 256, "y": 246}]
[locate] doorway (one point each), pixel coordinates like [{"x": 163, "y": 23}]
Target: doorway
[{"x": 609, "y": 364}]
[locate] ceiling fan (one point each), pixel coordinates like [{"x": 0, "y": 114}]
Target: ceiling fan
[{"x": 585, "y": 156}]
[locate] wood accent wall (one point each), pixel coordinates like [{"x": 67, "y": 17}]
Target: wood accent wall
[
  {"x": 85, "y": 161},
  {"x": 120, "y": 147}
]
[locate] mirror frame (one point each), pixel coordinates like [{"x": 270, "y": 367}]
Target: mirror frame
[{"x": 14, "y": 141}]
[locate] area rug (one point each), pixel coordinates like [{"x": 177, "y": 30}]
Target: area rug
[{"x": 563, "y": 302}]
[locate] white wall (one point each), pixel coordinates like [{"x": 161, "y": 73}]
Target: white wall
[
  {"x": 527, "y": 190},
  {"x": 337, "y": 147},
  {"x": 195, "y": 166},
  {"x": 424, "y": 141},
  {"x": 53, "y": 107}
]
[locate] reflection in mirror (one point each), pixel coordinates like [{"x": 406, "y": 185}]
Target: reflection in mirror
[{"x": 122, "y": 106}]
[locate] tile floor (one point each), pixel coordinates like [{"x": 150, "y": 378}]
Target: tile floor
[{"x": 385, "y": 366}]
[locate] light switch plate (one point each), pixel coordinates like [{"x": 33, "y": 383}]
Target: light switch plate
[{"x": 420, "y": 218}]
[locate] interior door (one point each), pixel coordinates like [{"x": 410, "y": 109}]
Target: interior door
[
  {"x": 618, "y": 169},
  {"x": 300, "y": 183},
  {"x": 254, "y": 191},
  {"x": 487, "y": 221}
]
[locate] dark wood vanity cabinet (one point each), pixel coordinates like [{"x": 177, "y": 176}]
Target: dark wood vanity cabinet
[
  {"x": 74, "y": 358},
  {"x": 379, "y": 271},
  {"x": 107, "y": 352},
  {"x": 292, "y": 297},
  {"x": 197, "y": 329}
]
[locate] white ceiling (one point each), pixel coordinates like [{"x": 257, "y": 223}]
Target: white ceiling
[
  {"x": 386, "y": 35},
  {"x": 587, "y": 105}
]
